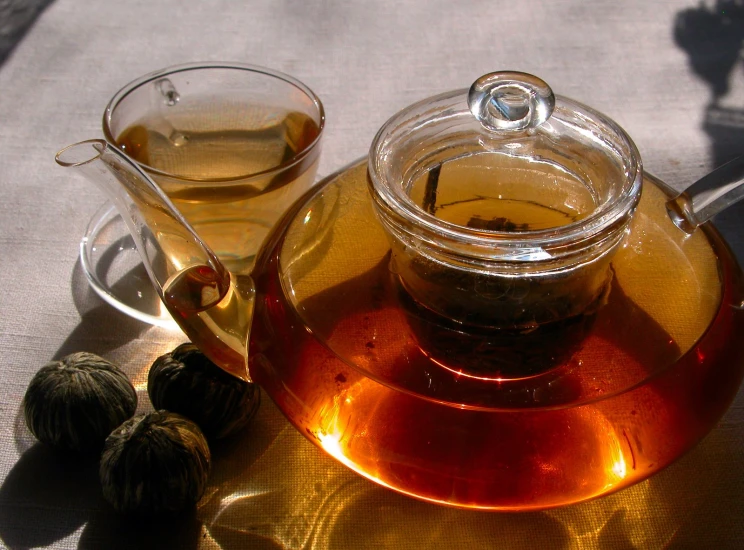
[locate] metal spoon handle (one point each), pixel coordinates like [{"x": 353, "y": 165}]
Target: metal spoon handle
[{"x": 708, "y": 196}]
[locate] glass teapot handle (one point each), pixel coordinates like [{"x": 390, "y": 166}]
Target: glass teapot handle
[{"x": 708, "y": 196}]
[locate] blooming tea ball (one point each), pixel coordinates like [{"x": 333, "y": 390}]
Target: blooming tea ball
[
  {"x": 186, "y": 382},
  {"x": 157, "y": 463},
  {"x": 75, "y": 402}
]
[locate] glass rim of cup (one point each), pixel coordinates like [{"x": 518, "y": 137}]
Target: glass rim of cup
[{"x": 130, "y": 87}]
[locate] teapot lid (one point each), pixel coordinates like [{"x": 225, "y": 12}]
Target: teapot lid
[{"x": 564, "y": 170}]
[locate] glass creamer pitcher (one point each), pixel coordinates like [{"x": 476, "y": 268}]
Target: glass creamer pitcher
[{"x": 494, "y": 311}]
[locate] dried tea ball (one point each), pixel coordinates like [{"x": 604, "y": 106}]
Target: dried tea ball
[
  {"x": 186, "y": 382},
  {"x": 74, "y": 403},
  {"x": 155, "y": 464}
]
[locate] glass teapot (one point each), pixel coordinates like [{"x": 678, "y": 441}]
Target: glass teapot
[{"x": 497, "y": 310}]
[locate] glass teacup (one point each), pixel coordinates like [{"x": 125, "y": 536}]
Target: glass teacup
[{"x": 232, "y": 145}]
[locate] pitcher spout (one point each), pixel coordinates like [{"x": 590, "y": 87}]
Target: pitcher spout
[{"x": 213, "y": 307}]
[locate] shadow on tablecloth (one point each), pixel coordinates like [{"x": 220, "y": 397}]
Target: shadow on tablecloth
[
  {"x": 712, "y": 35},
  {"x": 16, "y": 17}
]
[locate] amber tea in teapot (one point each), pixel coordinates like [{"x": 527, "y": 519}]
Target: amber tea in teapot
[{"x": 391, "y": 390}]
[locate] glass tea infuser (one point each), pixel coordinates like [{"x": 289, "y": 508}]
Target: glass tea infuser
[{"x": 498, "y": 309}]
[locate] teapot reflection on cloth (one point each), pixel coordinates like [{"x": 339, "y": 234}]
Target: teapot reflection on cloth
[{"x": 495, "y": 311}]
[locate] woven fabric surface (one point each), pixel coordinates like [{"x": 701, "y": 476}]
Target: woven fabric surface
[{"x": 670, "y": 73}]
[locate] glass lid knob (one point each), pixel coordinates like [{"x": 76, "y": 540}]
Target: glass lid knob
[{"x": 510, "y": 101}]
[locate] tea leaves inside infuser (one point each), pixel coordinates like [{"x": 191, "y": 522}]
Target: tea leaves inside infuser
[{"x": 497, "y": 192}]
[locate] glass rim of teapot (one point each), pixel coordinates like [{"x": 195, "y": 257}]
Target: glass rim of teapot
[{"x": 137, "y": 83}]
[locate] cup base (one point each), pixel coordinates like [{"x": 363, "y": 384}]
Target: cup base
[{"x": 115, "y": 272}]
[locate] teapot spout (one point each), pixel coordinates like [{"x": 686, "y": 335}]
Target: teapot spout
[{"x": 213, "y": 307}]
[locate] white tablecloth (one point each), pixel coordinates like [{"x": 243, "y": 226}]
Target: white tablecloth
[{"x": 666, "y": 71}]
